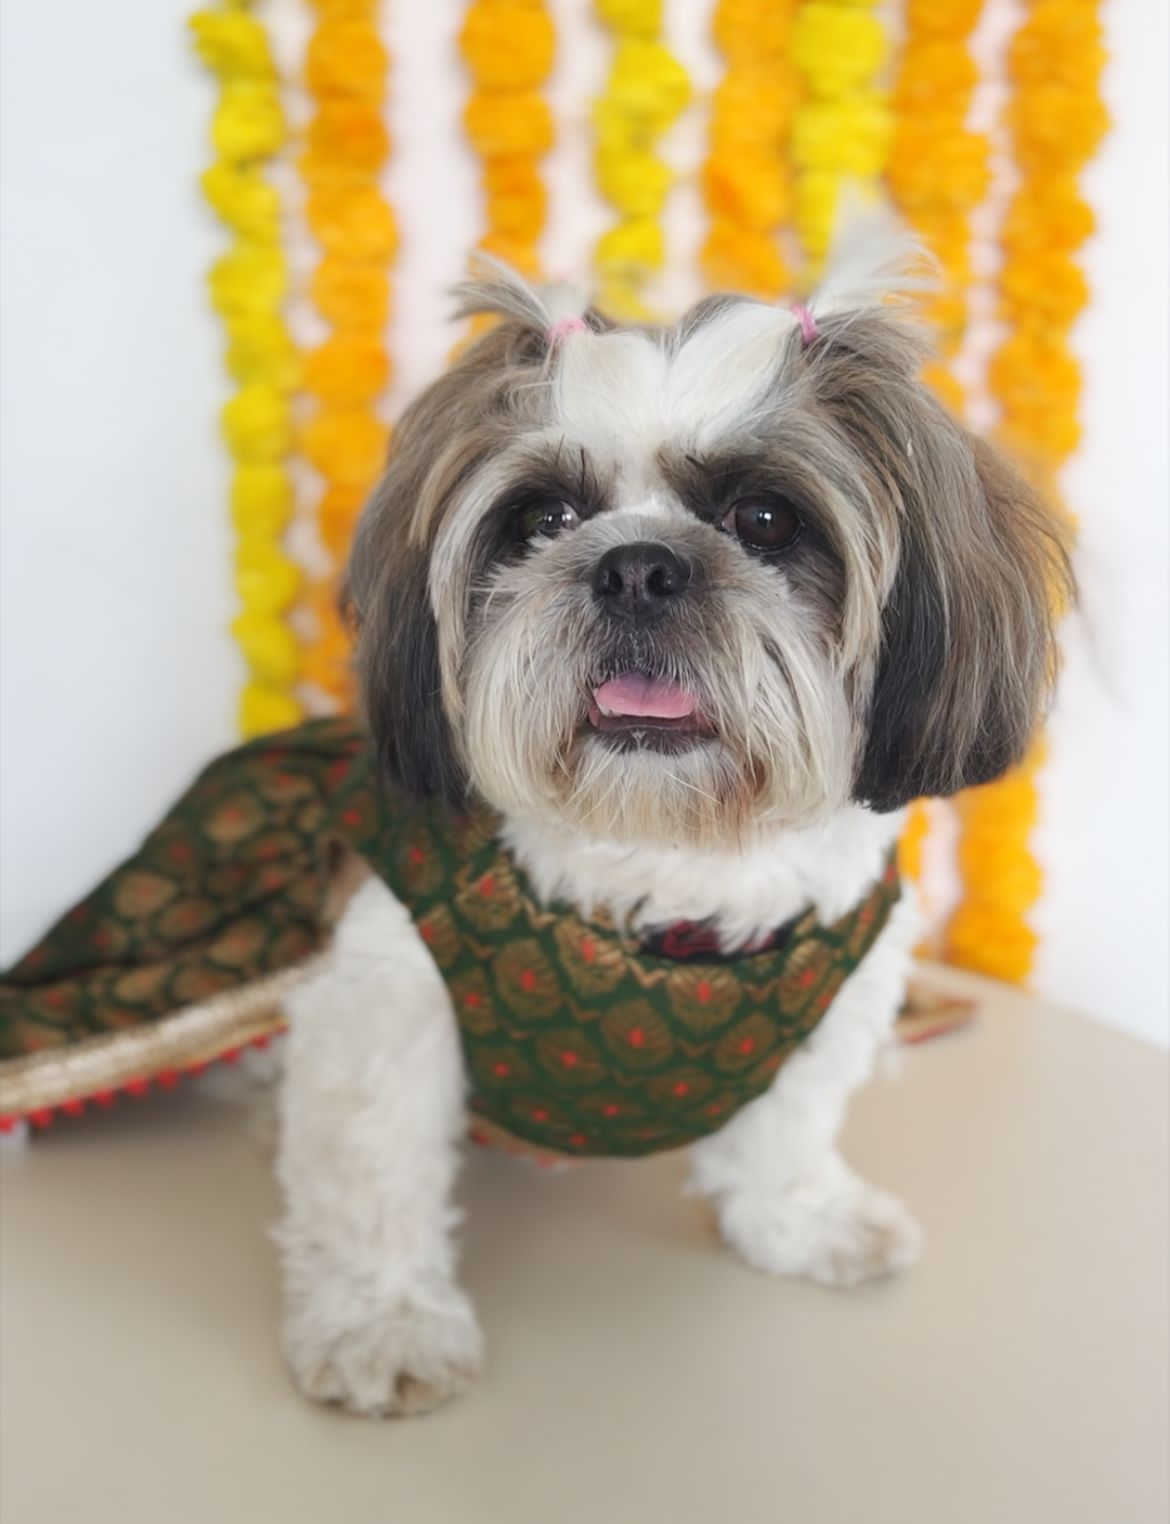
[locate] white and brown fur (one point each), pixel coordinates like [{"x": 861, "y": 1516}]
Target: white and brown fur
[{"x": 901, "y": 646}]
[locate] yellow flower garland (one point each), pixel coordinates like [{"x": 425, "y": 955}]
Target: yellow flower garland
[
  {"x": 248, "y": 286},
  {"x": 646, "y": 90},
  {"x": 344, "y": 438},
  {"x": 745, "y": 180},
  {"x": 938, "y": 174},
  {"x": 841, "y": 129},
  {"x": 1055, "y": 120},
  {"x": 508, "y": 47}
]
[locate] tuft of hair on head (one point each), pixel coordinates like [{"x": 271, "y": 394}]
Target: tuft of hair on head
[
  {"x": 496, "y": 288},
  {"x": 873, "y": 258}
]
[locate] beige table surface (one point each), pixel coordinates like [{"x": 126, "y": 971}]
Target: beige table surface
[{"x": 636, "y": 1372}]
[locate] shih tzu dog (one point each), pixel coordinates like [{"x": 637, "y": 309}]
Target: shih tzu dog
[{"x": 694, "y": 611}]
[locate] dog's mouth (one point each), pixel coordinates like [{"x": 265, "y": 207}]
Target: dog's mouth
[{"x": 636, "y": 709}]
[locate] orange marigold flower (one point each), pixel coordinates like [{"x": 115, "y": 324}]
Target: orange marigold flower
[
  {"x": 501, "y": 123},
  {"x": 507, "y": 45},
  {"x": 932, "y": 170},
  {"x": 742, "y": 259},
  {"x": 347, "y": 369},
  {"x": 351, "y": 295},
  {"x": 1052, "y": 124},
  {"x": 353, "y": 221},
  {"x": 937, "y": 77},
  {"x": 1053, "y": 214},
  {"x": 747, "y": 188},
  {"x": 346, "y": 57},
  {"x": 952, "y": 18},
  {"x": 346, "y": 446},
  {"x": 751, "y": 108},
  {"x": 337, "y": 516},
  {"x": 1049, "y": 285},
  {"x": 515, "y": 197},
  {"x": 349, "y": 130},
  {"x": 1058, "y": 44},
  {"x": 328, "y": 659},
  {"x": 521, "y": 256},
  {"x": 751, "y": 28}
]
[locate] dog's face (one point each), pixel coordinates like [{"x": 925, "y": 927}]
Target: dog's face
[{"x": 677, "y": 585}]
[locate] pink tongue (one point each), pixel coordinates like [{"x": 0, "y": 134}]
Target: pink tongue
[{"x": 648, "y": 697}]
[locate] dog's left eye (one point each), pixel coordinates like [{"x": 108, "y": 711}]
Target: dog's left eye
[
  {"x": 547, "y": 517},
  {"x": 763, "y": 523}
]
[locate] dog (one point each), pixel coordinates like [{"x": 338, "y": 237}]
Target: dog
[{"x": 696, "y": 610}]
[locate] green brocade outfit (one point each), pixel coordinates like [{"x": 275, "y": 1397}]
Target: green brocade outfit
[{"x": 579, "y": 1037}]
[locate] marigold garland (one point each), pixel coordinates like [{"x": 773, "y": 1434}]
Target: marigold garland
[
  {"x": 508, "y": 48},
  {"x": 1055, "y": 120},
  {"x": 841, "y": 129},
  {"x": 344, "y": 438},
  {"x": 745, "y": 179},
  {"x": 645, "y": 92},
  {"x": 938, "y": 174},
  {"x": 247, "y": 287}
]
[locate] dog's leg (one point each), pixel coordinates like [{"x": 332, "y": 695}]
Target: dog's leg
[
  {"x": 785, "y": 1198},
  {"x": 371, "y": 1121}
]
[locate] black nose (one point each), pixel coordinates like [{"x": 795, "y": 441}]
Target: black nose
[{"x": 639, "y": 581}]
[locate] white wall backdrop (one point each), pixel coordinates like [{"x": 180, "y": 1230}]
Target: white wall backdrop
[{"x": 117, "y": 679}]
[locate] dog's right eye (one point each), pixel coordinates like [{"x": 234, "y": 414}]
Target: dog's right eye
[{"x": 547, "y": 516}]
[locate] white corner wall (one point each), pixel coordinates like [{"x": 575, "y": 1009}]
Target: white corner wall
[{"x": 117, "y": 679}]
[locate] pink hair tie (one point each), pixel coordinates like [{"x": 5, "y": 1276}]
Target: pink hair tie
[
  {"x": 564, "y": 328},
  {"x": 808, "y": 323}
]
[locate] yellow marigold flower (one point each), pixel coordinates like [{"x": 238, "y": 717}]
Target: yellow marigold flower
[
  {"x": 267, "y": 581},
  {"x": 248, "y": 121},
  {"x": 270, "y": 648},
  {"x": 850, "y": 136},
  {"x": 261, "y": 500},
  {"x": 243, "y": 199},
  {"x": 337, "y": 516},
  {"x": 836, "y": 49},
  {"x": 264, "y": 709},
  {"x": 647, "y": 83},
  {"x": 347, "y": 369},
  {"x": 746, "y": 189},
  {"x": 515, "y": 198},
  {"x": 640, "y": 17},
  {"x": 346, "y": 57},
  {"x": 507, "y": 45},
  {"x": 632, "y": 250},
  {"x": 347, "y": 446},
  {"x": 232, "y": 44},
  {"x": 354, "y": 222},
  {"x": 261, "y": 349},
  {"x": 351, "y": 131},
  {"x": 257, "y": 424},
  {"x": 635, "y": 180},
  {"x": 501, "y": 123},
  {"x": 351, "y": 296},
  {"x": 738, "y": 259}
]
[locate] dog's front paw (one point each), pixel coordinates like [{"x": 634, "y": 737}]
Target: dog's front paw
[
  {"x": 392, "y": 1361},
  {"x": 832, "y": 1228}
]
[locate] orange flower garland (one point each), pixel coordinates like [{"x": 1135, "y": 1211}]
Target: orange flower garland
[
  {"x": 646, "y": 90},
  {"x": 938, "y": 174},
  {"x": 344, "y": 438},
  {"x": 508, "y": 48},
  {"x": 841, "y": 129},
  {"x": 745, "y": 180},
  {"x": 1055, "y": 120},
  {"x": 248, "y": 286}
]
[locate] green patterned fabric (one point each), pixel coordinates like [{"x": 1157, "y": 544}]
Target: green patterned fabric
[{"x": 578, "y": 1039}]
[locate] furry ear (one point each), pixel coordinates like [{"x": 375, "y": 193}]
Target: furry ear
[
  {"x": 967, "y": 655},
  {"x": 398, "y": 667}
]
